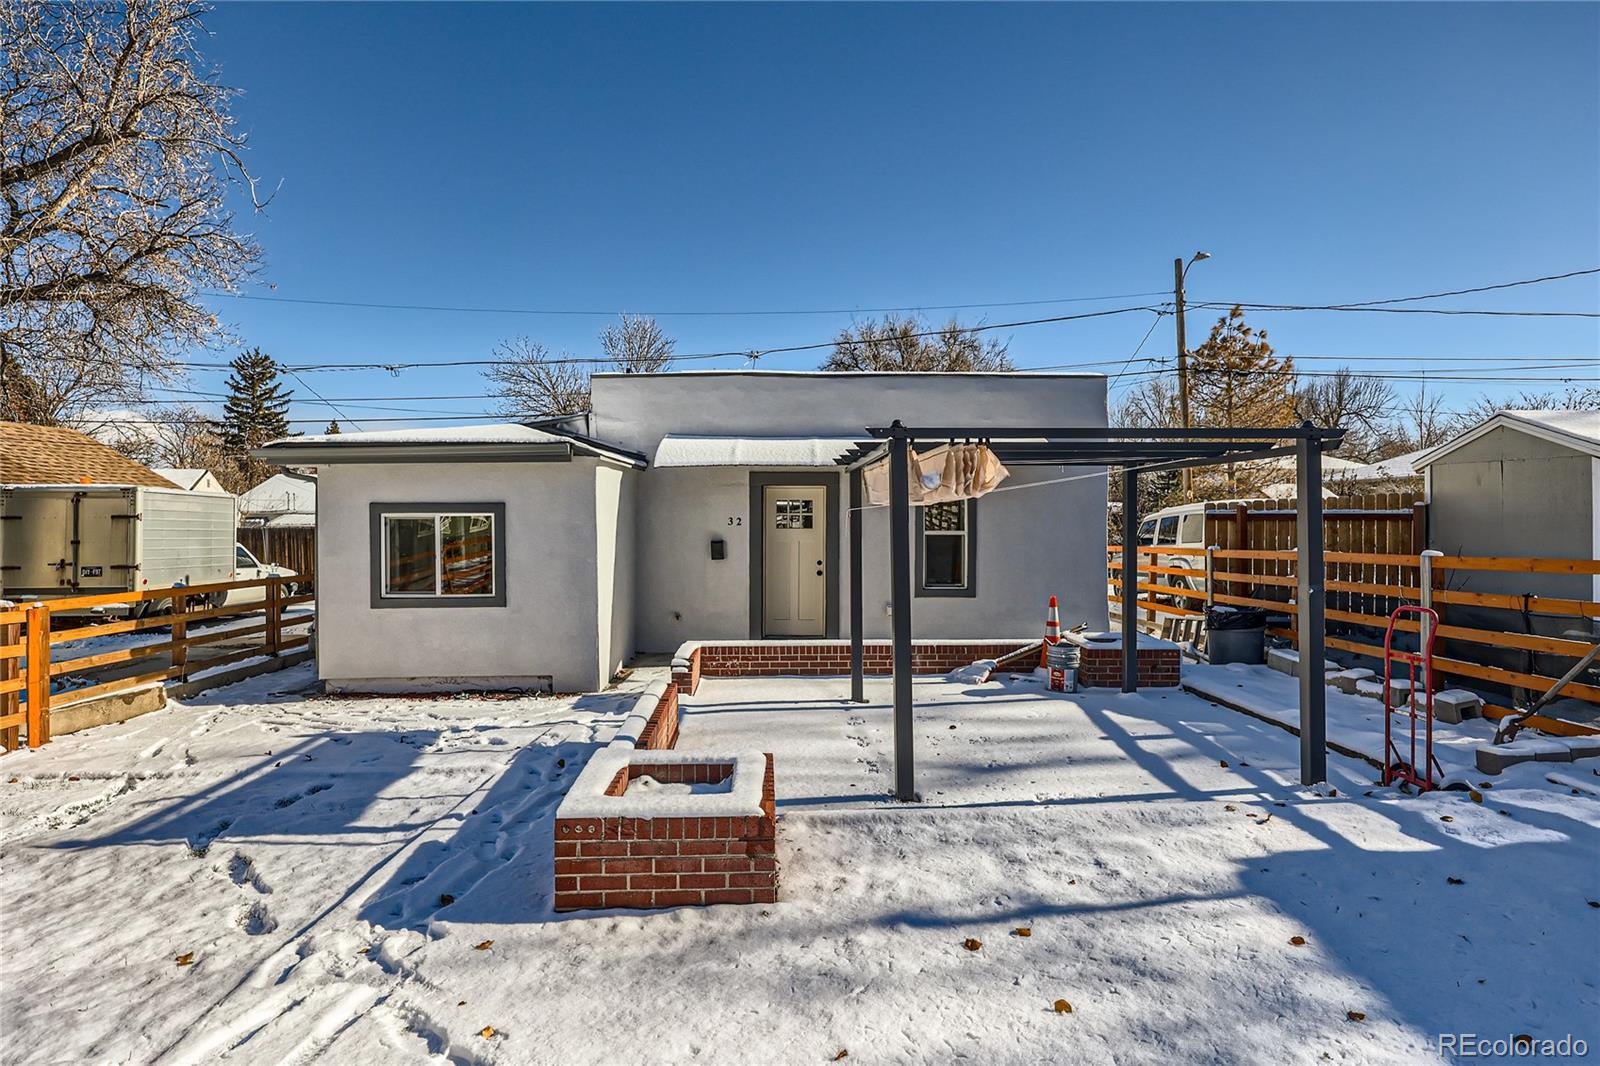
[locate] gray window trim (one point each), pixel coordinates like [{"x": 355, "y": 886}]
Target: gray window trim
[
  {"x": 970, "y": 590},
  {"x": 756, "y": 520},
  {"x": 375, "y": 513}
]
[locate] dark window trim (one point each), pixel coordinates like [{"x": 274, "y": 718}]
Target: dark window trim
[
  {"x": 971, "y": 588},
  {"x": 757, "y": 521},
  {"x": 375, "y": 513}
]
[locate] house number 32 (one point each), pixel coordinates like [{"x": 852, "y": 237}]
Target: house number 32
[{"x": 735, "y": 521}]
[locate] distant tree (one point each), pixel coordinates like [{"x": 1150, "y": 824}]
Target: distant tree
[
  {"x": 528, "y": 381},
  {"x": 1420, "y": 420},
  {"x": 255, "y": 412},
  {"x": 1151, "y": 405},
  {"x": 1236, "y": 380},
  {"x": 907, "y": 344},
  {"x": 1363, "y": 405},
  {"x": 1576, "y": 398},
  {"x": 333, "y": 428},
  {"x": 117, "y": 151},
  {"x": 637, "y": 345}
]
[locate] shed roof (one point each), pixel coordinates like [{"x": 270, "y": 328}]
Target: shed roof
[
  {"x": 55, "y": 455},
  {"x": 1578, "y": 430}
]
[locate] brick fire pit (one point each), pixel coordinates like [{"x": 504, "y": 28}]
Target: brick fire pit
[{"x": 651, "y": 829}]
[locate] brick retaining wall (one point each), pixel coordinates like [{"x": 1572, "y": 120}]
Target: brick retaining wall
[{"x": 769, "y": 658}]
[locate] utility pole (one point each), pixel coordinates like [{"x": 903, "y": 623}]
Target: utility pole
[
  {"x": 1183, "y": 359},
  {"x": 1179, "y": 269}
]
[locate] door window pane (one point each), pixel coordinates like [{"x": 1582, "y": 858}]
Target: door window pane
[
  {"x": 792, "y": 514},
  {"x": 468, "y": 546},
  {"x": 1168, "y": 531},
  {"x": 409, "y": 544}
]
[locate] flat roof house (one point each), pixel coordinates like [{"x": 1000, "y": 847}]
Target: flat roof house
[{"x": 707, "y": 505}]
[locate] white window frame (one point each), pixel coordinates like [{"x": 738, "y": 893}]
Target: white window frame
[{"x": 438, "y": 592}]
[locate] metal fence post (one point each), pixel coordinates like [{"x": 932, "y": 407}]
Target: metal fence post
[
  {"x": 38, "y": 689},
  {"x": 1425, "y": 591}
]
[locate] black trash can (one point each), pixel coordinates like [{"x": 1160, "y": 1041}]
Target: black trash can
[{"x": 1236, "y": 634}]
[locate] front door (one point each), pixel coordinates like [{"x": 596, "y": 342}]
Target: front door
[{"x": 794, "y": 549}]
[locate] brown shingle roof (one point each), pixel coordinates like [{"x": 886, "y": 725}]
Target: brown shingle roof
[{"x": 52, "y": 455}]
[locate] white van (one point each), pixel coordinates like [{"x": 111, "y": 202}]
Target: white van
[{"x": 1180, "y": 526}]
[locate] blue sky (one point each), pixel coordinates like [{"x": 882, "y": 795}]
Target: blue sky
[{"x": 788, "y": 158}]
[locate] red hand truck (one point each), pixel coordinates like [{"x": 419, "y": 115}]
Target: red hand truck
[{"x": 1396, "y": 768}]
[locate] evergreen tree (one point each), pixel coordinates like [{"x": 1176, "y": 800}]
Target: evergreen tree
[
  {"x": 1236, "y": 381},
  {"x": 255, "y": 412},
  {"x": 333, "y": 428}
]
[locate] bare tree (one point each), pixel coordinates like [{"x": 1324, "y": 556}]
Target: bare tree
[
  {"x": 529, "y": 381},
  {"x": 116, "y": 153},
  {"x": 1421, "y": 420},
  {"x": 637, "y": 345},
  {"x": 1573, "y": 399},
  {"x": 1362, "y": 405},
  {"x": 907, "y": 344}
]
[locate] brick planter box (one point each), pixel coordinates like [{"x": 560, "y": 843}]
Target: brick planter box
[
  {"x": 1100, "y": 661},
  {"x": 625, "y": 842}
]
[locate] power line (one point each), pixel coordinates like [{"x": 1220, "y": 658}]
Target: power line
[
  {"x": 1452, "y": 292},
  {"x": 672, "y": 314}
]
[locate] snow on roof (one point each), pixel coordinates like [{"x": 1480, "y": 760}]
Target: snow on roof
[
  {"x": 491, "y": 433},
  {"x": 1397, "y": 466},
  {"x": 1579, "y": 430},
  {"x": 689, "y": 450},
  {"x": 281, "y": 494}
]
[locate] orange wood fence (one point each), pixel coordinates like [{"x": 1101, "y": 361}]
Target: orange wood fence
[
  {"x": 1361, "y": 588},
  {"x": 28, "y": 632}
]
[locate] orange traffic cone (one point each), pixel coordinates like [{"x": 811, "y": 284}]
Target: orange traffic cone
[{"x": 1052, "y": 633}]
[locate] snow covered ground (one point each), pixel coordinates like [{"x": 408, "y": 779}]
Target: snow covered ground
[{"x": 259, "y": 876}]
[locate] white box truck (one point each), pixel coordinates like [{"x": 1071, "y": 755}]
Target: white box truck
[{"x": 83, "y": 540}]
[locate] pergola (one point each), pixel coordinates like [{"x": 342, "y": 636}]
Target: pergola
[{"x": 1133, "y": 452}]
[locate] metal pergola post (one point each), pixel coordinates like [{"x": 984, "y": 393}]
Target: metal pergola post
[
  {"x": 905, "y": 774},
  {"x": 1130, "y": 579},
  {"x": 1311, "y": 575},
  {"x": 858, "y": 684}
]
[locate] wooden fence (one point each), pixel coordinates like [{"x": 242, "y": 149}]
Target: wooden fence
[
  {"x": 29, "y": 632},
  {"x": 1362, "y": 589},
  {"x": 294, "y": 547}
]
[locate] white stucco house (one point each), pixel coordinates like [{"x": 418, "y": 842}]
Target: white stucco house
[{"x": 684, "y": 506}]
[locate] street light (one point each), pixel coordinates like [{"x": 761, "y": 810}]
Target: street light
[{"x": 1179, "y": 270}]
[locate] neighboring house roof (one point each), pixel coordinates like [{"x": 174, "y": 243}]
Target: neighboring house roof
[
  {"x": 1578, "y": 430},
  {"x": 54, "y": 455},
  {"x": 281, "y": 494},
  {"x": 191, "y": 478},
  {"x": 688, "y": 450},
  {"x": 1398, "y": 466},
  {"x": 499, "y": 442}
]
